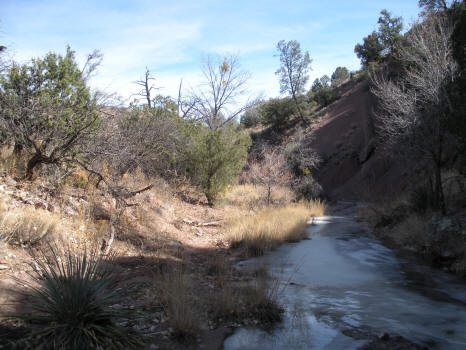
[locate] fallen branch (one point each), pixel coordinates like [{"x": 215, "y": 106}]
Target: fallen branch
[{"x": 197, "y": 223}]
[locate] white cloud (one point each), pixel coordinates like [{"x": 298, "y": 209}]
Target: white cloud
[{"x": 171, "y": 37}]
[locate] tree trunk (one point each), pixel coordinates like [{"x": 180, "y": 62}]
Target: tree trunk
[
  {"x": 269, "y": 190},
  {"x": 209, "y": 192},
  {"x": 300, "y": 113},
  {"x": 210, "y": 198},
  {"x": 31, "y": 165},
  {"x": 439, "y": 194},
  {"x": 18, "y": 147},
  {"x": 112, "y": 236}
]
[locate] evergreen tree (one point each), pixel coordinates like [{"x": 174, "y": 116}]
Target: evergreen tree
[
  {"x": 294, "y": 66},
  {"x": 47, "y": 109}
]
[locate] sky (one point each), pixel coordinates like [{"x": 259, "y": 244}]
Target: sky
[{"x": 172, "y": 38}]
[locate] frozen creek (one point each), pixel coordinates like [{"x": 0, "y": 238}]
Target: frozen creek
[{"x": 341, "y": 280}]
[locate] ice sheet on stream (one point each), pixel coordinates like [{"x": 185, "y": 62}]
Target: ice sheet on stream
[{"x": 339, "y": 279}]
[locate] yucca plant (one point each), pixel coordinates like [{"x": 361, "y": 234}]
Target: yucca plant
[{"x": 69, "y": 298}]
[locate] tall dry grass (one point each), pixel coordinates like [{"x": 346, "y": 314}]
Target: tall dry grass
[
  {"x": 262, "y": 297},
  {"x": 249, "y": 196},
  {"x": 256, "y": 302},
  {"x": 183, "y": 314},
  {"x": 272, "y": 226}
]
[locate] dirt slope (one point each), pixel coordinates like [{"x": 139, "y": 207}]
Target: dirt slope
[{"x": 353, "y": 167}]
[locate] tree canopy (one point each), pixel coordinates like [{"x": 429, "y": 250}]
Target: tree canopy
[
  {"x": 340, "y": 75},
  {"x": 47, "y": 107},
  {"x": 383, "y": 42},
  {"x": 293, "y": 71}
]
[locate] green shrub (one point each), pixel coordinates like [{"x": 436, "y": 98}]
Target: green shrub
[
  {"x": 325, "y": 96},
  {"x": 252, "y": 117},
  {"x": 69, "y": 299},
  {"x": 340, "y": 75},
  {"x": 307, "y": 187},
  {"x": 278, "y": 111},
  {"x": 216, "y": 158}
]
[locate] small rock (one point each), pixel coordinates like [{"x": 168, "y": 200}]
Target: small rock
[
  {"x": 10, "y": 182},
  {"x": 3, "y": 267},
  {"x": 445, "y": 223},
  {"x": 153, "y": 346},
  {"x": 40, "y": 205},
  {"x": 70, "y": 211},
  {"x": 384, "y": 336}
]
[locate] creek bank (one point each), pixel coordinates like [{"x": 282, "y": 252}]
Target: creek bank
[{"x": 439, "y": 240}]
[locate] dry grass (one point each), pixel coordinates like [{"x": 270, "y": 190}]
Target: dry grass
[
  {"x": 270, "y": 227},
  {"x": 10, "y": 163},
  {"x": 261, "y": 298},
  {"x": 28, "y": 226},
  {"x": 411, "y": 232},
  {"x": 316, "y": 207},
  {"x": 79, "y": 178},
  {"x": 249, "y": 196},
  {"x": 227, "y": 302},
  {"x": 183, "y": 315},
  {"x": 254, "y": 303}
]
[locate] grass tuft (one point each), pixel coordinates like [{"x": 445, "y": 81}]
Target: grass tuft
[
  {"x": 249, "y": 196},
  {"x": 183, "y": 315},
  {"x": 261, "y": 298},
  {"x": 27, "y": 226},
  {"x": 270, "y": 227}
]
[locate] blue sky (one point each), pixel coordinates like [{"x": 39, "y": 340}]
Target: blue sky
[{"x": 172, "y": 37}]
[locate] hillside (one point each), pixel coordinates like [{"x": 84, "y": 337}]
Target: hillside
[{"x": 352, "y": 167}]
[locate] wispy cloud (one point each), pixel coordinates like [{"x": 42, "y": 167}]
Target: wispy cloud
[{"x": 170, "y": 38}]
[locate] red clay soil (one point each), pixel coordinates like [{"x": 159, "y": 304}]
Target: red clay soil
[{"x": 352, "y": 166}]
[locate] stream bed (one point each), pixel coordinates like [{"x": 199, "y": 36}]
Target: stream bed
[{"x": 340, "y": 282}]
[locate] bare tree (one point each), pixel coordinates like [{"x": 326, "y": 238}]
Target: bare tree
[
  {"x": 147, "y": 87},
  {"x": 140, "y": 138},
  {"x": 300, "y": 157},
  {"x": 185, "y": 105},
  {"x": 414, "y": 109},
  {"x": 220, "y": 98},
  {"x": 125, "y": 142},
  {"x": 270, "y": 170}
]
